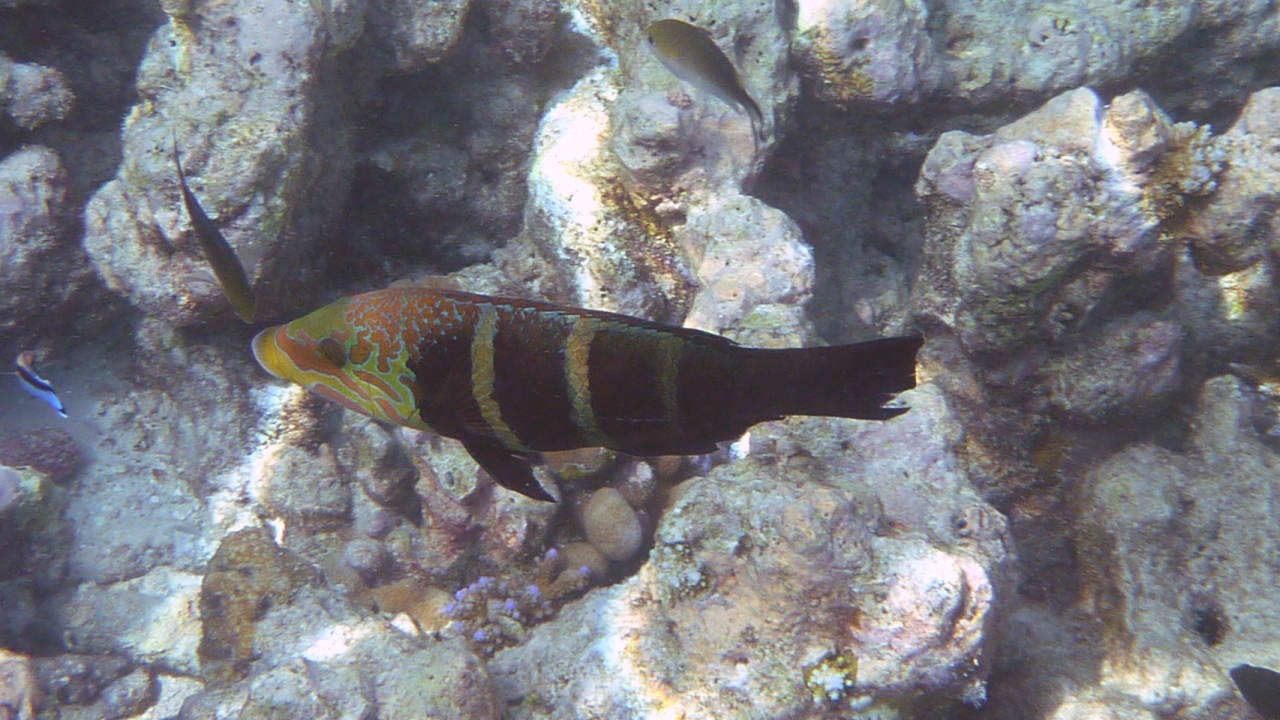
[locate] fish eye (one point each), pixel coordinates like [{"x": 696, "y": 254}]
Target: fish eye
[{"x": 333, "y": 350}]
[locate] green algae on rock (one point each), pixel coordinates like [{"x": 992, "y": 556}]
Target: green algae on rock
[{"x": 248, "y": 576}]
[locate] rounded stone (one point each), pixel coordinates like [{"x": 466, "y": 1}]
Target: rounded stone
[
  {"x": 583, "y": 559},
  {"x": 612, "y": 526},
  {"x": 369, "y": 558}
]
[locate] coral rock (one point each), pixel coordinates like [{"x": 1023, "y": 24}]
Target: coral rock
[
  {"x": 1168, "y": 544},
  {"x": 1239, "y": 225},
  {"x": 78, "y": 679},
  {"x": 47, "y": 449},
  {"x": 19, "y": 693},
  {"x": 582, "y": 559},
  {"x": 381, "y": 464},
  {"x": 246, "y": 103},
  {"x": 148, "y": 620},
  {"x": 306, "y": 486},
  {"x": 867, "y": 51},
  {"x": 32, "y": 537},
  {"x": 248, "y": 576},
  {"x": 33, "y": 95},
  {"x": 41, "y": 269},
  {"x": 414, "y": 33},
  {"x": 1047, "y": 233},
  {"x": 769, "y": 581}
]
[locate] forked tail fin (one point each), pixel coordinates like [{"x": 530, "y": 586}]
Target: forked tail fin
[{"x": 852, "y": 381}]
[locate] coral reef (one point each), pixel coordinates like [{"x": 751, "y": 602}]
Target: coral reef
[
  {"x": 711, "y": 626},
  {"x": 49, "y": 450},
  {"x": 32, "y": 95},
  {"x": 40, "y": 270},
  {"x": 18, "y": 690},
  {"x": 247, "y": 577},
  {"x": 33, "y": 538},
  {"x": 250, "y": 139},
  {"x": 1072, "y": 521}
]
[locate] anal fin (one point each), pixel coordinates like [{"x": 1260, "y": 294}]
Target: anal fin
[{"x": 510, "y": 470}]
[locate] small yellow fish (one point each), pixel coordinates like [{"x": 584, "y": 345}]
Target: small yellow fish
[
  {"x": 221, "y": 256},
  {"x": 691, "y": 55}
]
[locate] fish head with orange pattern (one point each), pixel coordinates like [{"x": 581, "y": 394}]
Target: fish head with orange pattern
[{"x": 353, "y": 352}]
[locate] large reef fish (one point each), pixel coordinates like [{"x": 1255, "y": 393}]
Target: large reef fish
[{"x": 510, "y": 378}]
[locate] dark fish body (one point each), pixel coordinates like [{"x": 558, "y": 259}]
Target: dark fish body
[
  {"x": 219, "y": 253},
  {"x": 1260, "y": 687},
  {"x": 510, "y": 378}
]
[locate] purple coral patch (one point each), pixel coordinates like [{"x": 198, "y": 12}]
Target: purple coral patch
[{"x": 49, "y": 450}]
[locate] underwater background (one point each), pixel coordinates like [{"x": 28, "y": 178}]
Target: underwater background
[{"x": 1076, "y": 204}]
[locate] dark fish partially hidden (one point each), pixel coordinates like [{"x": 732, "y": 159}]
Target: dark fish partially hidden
[
  {"x": 34, "y": 384},
  {"x": 510, "y": 378},
  {"x": 1261, "y": 687},
  {"x": 221, "y": 256}
]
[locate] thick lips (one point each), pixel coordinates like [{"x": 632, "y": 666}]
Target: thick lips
[{"x": 267, "y": 352}]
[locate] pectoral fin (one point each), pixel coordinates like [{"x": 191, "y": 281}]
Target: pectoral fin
[{"x": 510, "y": 470}]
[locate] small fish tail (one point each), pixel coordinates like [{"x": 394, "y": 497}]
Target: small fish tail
[{"x": 852, "y": 381}]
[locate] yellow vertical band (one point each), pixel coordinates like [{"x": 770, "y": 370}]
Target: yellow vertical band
[
  {"x": 482, "y": 375},
  {"x": 577, "y": 373},
  {"x": 669, "y": 348}
]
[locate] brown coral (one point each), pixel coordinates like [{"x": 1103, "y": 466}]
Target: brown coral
[{"x": 248, "y": 575}]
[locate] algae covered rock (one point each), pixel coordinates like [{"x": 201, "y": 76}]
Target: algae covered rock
[
  {"x": 32, "y": 536},
  {"x": 1170, "y": 543},
  {"x": 19, "y": 693},
  {"x": 257, "y": 129},
  {"x": 803, "y": 581},
  {"x": 32, "y": 95},
  {"x": 40, "y": 267},
  {"x": 248, "y": 576},
  {"x": 277, "y": 640},
  {"x": 867, "y": 51}
]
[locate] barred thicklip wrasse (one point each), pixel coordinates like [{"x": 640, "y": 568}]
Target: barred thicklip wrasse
[
  {"x": 34, "y": 384},
  {"x": 218, "y": 252},
  {"x": 510, "y": 378}
]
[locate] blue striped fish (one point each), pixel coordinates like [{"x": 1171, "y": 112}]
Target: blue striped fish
[{"x": 34, "y": 384}]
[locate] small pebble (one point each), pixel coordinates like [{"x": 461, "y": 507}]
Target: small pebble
[
  {"x": 612, "y": 525},
  {"x": 585, "y": 555}
]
